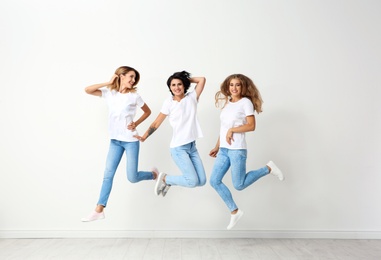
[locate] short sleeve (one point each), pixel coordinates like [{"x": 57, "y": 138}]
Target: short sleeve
[
  {"x": 248, "y": 108},
  {"x": 139, "y": 101},
  {"x": 165, "y": 109},
  {"x": 105, "y": 91}
]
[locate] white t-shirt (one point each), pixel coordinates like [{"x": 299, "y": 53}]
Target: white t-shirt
[
  {"x": 122, "y": 110},
  {"x": 183, "y": 119},
  {"x": 233, "y": 115}
]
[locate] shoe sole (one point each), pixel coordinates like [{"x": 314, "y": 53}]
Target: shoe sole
[{"x": 159, "y": 178}]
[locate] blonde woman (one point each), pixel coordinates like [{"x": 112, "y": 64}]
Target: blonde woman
[
  {"x": 240, "y": 98},
  {"x": 123, "y": 100}
]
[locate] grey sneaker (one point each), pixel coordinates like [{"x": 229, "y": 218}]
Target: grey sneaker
[
  {"x": 160, "y": 184},
  {"x": 165, "y": 190}
]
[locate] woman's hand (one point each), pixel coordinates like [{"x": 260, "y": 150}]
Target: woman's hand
[
  {"x": 140, "y": 138},
  {"x": 131, "y": 126},
  {"x": 113, "y": 78},
  {"x": 229, "y": 136},
  {"x": 213, "y": 152}
]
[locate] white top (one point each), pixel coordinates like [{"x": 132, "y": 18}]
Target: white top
[
  {"x": 183, "y": 119},
  {"x": 233, "y": 115},
  {"x": 122, "y": 110}
]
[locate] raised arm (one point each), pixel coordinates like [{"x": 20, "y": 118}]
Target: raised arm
[
  {"x": 152, "y": 128},
  {"x": 94, "y": 89},
  {"x": 200, "y": 84}
]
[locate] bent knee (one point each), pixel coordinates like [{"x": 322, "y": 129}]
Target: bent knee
[
  {"x": 202, "y": 183},
  {"x": 192, "y": 183},
  {"x": 214, "y": 183},
  {"x": 132, "y": 179},
  {"x": 239, "y": 187}
]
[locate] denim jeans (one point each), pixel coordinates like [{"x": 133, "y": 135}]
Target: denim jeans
[
  {"x": 188, "y": 160},
  {"x": 114, "y": 156},
  {"x": 236, "y": 159}
]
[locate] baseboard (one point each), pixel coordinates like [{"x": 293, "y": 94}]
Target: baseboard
[{"x": 273, "y": 234}]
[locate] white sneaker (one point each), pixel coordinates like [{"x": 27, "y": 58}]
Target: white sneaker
[
  {"x": 234, "y": 219},
  {"x": 93, "y": 216},
  {"x": 160, "y": 184},
  {"x": 275, "y": 170}
]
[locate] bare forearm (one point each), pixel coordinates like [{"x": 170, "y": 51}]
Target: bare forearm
[
  {"x": 149, "y": 132},
  {"x": 248, "y": 127},
  {"x": 142, "y": 118},
  {"x": 146, "y": 114},
  {"x": 94, "y": 89},
  {"x": 153, "y": 127},
  {"x": 218, "y": 143},
  {"x": 197, "y": 80},
  {"x": 200, "y": 84},
  {"x": 242, "y": 129},
  {"x": 91, "y": 89}
]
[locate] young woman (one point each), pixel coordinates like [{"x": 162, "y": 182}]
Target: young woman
[
  {"x": 123, "y": 100},
  {"x": 181, "y": 109},
  {"x": 240, "y": 98}
]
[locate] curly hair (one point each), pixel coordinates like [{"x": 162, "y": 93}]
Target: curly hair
[
  {"x": 123, "y": 70},
  {"x": 184, "y": 76},
  {"x": 249, "y": 90}
]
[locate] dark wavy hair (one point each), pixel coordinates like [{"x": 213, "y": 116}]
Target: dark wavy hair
[{"x": 184, "y": 76}]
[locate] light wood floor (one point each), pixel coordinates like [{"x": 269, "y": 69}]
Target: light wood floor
[{"x": 198, "y": 249}]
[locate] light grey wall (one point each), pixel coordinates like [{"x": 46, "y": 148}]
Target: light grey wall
[{"x": 316, "y": 64}]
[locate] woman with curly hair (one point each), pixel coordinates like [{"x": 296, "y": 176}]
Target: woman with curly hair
[
  {"x": 181, "y": 110},
  {"x": 240, "y": 98}
]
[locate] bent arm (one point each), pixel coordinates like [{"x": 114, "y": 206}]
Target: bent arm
[
  {"x": 200, "y": 84},
  {"x": 146, "y": 114},
  {"x": 249, "y": 126},
  {"x": 94, "y": 89},
  {"x": 153, "y": 127}
]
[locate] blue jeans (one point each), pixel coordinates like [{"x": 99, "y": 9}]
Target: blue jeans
[
  {"x": 236, "y": 159},
  {"x": 188, "y": 160},
  {"x": 114, "y": 156}
]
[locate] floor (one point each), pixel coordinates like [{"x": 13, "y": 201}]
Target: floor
[{"x": 184, "y": 249}]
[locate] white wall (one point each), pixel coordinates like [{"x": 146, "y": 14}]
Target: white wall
[{"x": 316, "y": 64}]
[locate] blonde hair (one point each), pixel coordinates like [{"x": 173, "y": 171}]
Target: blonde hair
[
  {"x": 248, "y": 90},
  {"x": 123, "y": 70}
]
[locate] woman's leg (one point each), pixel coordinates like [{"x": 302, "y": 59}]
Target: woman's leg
[
  {"x": 115, "y": 153},
  {"x": 221, "y": 166},
  {"x": 240, "y": 178},
  {"x": 198, "y": 165},
  {"x": 182, "y": 159},
  {"x": 132, "y": 155}
]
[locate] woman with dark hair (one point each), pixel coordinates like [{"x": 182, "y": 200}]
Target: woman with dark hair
[
  {"x": 181, "y": 109},
  {"x": 240, "y": 98},
  {"x": 123, "y": 100}
]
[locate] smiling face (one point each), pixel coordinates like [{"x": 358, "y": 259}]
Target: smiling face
[
  {"x": 235, "y": 89},
  {"x": 127, "y": 81},
  {"x": 177, "y": 88}
]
